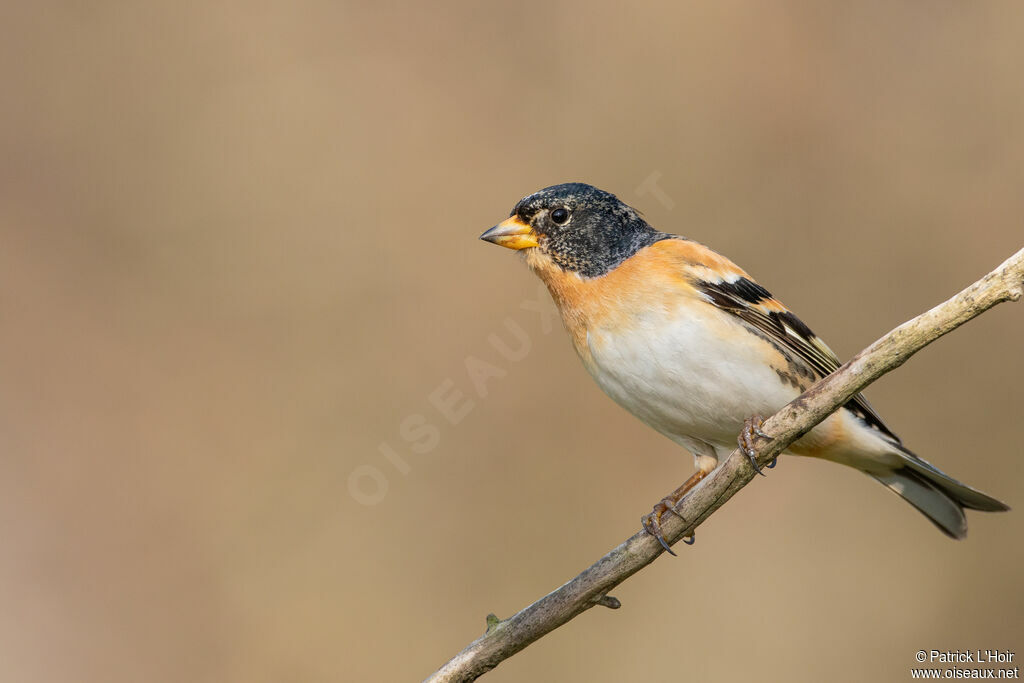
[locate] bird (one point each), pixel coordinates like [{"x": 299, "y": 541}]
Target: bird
[{"x": 689, "y": 343}]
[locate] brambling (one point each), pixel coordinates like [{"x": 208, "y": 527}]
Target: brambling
[{"x": 686, "y": 341}]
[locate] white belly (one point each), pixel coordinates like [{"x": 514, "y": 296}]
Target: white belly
[{"x": 688, "y": 378}]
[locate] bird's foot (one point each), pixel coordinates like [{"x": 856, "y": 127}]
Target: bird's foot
[
  {"x": 652, "y": 521},
  {"x": 748, "y": 435}
]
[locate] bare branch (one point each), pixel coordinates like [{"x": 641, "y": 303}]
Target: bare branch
[{"x": 504, "y": 638}]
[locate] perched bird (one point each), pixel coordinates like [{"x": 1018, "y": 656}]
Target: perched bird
[{"x": 686, "y": 341}]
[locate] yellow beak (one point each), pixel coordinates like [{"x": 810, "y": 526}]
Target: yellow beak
[{"x": 512, "y": 234}]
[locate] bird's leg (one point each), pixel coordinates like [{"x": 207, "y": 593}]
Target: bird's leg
[
  {"x": 652, "y": 522},
  {"x": 750, "y": 432}
]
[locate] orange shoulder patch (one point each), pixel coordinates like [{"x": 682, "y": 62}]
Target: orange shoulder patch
[{"x": 702, "y": 262}]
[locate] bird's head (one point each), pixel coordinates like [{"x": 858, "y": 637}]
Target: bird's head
[{"x": 576, "y": 227}]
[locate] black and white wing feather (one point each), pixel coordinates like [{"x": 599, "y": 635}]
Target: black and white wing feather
[{"x": 755, "y": 305}]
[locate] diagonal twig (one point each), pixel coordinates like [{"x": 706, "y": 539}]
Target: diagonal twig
[{"x": 504, "y": 638}]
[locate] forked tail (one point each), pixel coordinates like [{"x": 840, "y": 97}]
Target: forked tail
[{"x": 938, "y": 496}]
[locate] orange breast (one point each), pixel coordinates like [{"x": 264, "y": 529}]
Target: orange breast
[{"x": 654, "y": 276}]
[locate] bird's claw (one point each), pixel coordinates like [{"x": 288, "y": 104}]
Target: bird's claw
[
  {"x": 750, "y": 432},
  {"x": 652, "y": 523}
]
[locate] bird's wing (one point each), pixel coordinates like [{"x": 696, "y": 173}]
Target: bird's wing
[{"x": 726, "y": 286}]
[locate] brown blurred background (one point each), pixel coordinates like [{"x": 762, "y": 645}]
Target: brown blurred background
[{"x": 239, "y": 254}]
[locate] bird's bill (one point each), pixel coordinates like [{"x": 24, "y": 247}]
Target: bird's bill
[{"x": 511, "y": 233}]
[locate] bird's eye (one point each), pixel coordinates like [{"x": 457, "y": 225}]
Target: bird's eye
[{"x": 560, "y": 216}]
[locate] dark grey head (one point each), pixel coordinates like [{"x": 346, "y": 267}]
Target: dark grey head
[{"x": 581, "y": 228}]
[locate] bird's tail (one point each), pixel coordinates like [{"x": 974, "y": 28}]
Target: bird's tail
[{"x": 938, "y": 496}]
